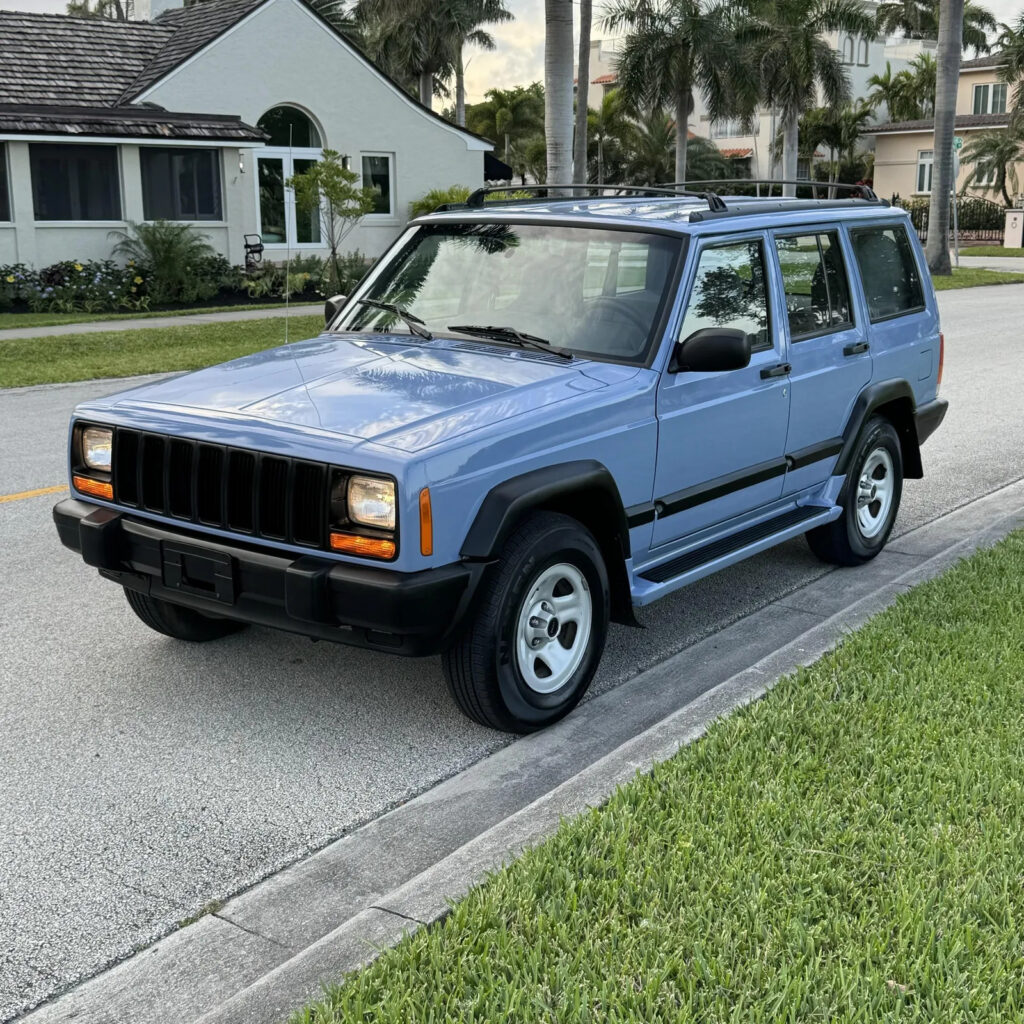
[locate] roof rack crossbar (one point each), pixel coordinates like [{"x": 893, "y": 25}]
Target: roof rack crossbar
[
  {"x": 476, "y": 199},
  {"x": 863, "y": 191}
]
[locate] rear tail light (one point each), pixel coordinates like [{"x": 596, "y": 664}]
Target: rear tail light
[{"x": 942, "y": 357}]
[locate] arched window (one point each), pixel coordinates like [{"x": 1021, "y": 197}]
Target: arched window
[
  {"x": 295, "y": 144},
  {"x": 862, "y": 53},
  {"x": 847, "y": 50},
  {"x": 289, "y": 126}
]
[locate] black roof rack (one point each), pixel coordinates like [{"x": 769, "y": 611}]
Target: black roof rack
[
  {"x": 860, "y": 191},
  {"x": 476, "y": 200}
]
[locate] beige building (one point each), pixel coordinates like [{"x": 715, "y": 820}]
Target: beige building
[{"x": 905, "y": 150}]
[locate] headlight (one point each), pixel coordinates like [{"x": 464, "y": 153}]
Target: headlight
[
  {"x": 371, "y": 502},
  {"x": 97, "y": 446}
]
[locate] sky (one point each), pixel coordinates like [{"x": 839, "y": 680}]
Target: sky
[{"x": 519, "y": 57}]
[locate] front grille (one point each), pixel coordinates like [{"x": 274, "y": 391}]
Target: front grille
[{"x": 231, "y": 488}]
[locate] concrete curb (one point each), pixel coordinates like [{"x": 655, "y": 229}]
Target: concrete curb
[{"x": 269, "y": 950}]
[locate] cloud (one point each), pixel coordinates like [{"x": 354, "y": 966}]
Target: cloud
[{"x": 519, "y": 57}]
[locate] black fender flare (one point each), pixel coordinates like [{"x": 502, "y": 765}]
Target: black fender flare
[
  {"x": 584, "y": 489},
  {"x": 897, "y": 397}
]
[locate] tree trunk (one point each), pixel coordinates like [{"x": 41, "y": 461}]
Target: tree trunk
[
  {"x": 558, "y": 89},
  {"x": 427, "y": 89},
  {"x": 460, "y": 90},
  {"x": 790, "y": 150},
  {"x": 579, "y": 153},
  {"x": 951, "y": 18},
  {"x": 682, "y": 132}
]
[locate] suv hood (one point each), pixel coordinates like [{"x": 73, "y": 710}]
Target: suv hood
[{"x": 379, "y": 388}]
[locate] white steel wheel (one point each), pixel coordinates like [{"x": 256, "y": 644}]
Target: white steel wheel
[
  {"x": 875, "y": 493},
  {"x": 553, "y": 628}
]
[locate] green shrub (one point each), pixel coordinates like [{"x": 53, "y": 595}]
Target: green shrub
[
  {"x": 438, "y": 197},
  {"x": 179, "y": 263}
]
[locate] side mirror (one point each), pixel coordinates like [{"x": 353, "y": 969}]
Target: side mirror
[
  {"x": 332, "y": 307},
  {"x": 712, "y": 350}
]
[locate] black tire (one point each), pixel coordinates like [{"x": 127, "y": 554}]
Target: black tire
[
  {"x": 180, "y": 623},
  {"x": 482, "y": 667},
  {"x": 843, "y": 542}
]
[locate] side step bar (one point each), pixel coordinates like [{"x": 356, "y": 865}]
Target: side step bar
[{"x": 789, "y": 523}]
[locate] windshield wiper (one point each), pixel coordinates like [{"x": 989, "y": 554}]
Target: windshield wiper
[
  {"x": 414, "y": 323},
  {"x": 510, "y": 334}
]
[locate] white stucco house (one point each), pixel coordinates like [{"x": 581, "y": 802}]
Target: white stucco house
[{"x": 200, "y": 115}]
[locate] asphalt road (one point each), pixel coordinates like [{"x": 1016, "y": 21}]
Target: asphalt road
[{"x": 142, "y": 779}]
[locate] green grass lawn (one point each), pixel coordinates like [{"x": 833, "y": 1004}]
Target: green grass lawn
[
  {"x": 971, "y": 277},
  {"x": 8, "y": 320},
  {"x": 71, "y": 357},
  {"x": 989, "y": 250},
  {"x": 848, "y": 849}
]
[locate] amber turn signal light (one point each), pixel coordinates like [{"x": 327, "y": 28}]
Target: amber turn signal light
[
  {"x": 367, "y": 547},
  {"x": 97, "y": 488},
  {"x": 426, "y": 523}
]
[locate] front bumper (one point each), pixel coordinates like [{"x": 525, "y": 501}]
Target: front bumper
[{"x": 404, "y": 613}]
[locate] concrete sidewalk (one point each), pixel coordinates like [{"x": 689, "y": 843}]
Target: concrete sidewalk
[
  {"x": 1011, "y": 264},
  {"x": 181, "y": 320}
]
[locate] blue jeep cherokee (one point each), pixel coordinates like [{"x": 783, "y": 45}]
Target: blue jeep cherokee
[{"x": 531, "y": 418}]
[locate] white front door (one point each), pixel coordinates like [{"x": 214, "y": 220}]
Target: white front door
[{"x": 282, "y": 225}]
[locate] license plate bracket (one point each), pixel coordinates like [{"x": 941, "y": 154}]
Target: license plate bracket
[{"x": 196, "y": 571}]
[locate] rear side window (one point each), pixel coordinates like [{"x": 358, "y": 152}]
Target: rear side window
[
  {"x": 888, "y": 270},
  {"x": 814, "y": 279},
  {"x": 729, "y": 291}
]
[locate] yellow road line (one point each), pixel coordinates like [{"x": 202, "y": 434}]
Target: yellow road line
[{"x": 32, "y": 494}]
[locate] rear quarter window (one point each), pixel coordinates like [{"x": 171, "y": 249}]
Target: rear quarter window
[{"x": 888, "y": 271}]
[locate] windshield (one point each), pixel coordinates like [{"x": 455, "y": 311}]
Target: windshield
[{"x": 586, "y": 291}]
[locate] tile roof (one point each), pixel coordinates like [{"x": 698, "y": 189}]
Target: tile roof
[
  {"x": 605, "y": 79},
  {"x": 991, "y": 60},
  {"x": 736, "y": 154},
  {"x": 123, "y": 122},
  {"x": 928, "y": 124},
  {"x": 51, "y": 58}
]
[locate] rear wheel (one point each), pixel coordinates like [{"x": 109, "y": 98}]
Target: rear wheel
[
  {"x": 532, "y": 647},
  {"x": 180, "y": 623},
  {"x": 870, "y": 499}
]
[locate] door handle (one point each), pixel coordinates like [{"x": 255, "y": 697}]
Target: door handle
[
  {"x": 776, "y": 371},
  {"x": 856, "y": 348}
]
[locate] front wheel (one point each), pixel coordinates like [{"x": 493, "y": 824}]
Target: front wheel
[
  {"x": 870, "y": 499},
  {"x": 532, "y": 647}
]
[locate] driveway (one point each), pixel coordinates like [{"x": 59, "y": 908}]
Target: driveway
[{"x": 144, "y": 779}]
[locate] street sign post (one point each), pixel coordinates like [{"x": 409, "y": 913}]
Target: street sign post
[{"x": 957, "y": 143}]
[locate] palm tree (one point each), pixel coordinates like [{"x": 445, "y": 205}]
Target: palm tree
[
  {"x": 909, "y": 95},
  {"x": 998, "y": 152},
  {"x": 950, "y": 37},
  {"x": 919, "y": 19},
  {"x": 558, "y": 89},
  {"x": 468, "y": 18},
  {"x": 787, "y": 40},
  {"x": 673, "y": 47},
  {"x": 607, "y": 130},
  {"x": 1011, "y": 49},
  {"x": 651, "y": 147},
  {"x": 579, "y": 150}
]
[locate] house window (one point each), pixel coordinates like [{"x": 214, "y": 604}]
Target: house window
[
  {"x": 862, "y": 53},
  {"x": 282, "y": 223},
  {"x": 377, "y": 175},
  {"x": 289, "y": 126},
  {"x": 848, "y": 50},
  {"x": 990, "y": 99},
  {"x": 984, "y": 177},
  {"x": 925, "y": 159},
  {"x": 180, "y": 184},
  {"x": 75, "y": 182},
  {"x": 5, "y": 195}
]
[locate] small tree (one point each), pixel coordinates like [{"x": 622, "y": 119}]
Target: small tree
[{"x": 330, "y": 189}]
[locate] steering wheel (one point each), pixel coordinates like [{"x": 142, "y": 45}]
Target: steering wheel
[{"x": 622, "y": 310}]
